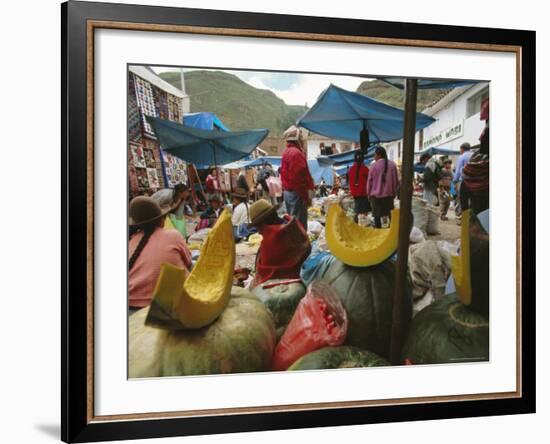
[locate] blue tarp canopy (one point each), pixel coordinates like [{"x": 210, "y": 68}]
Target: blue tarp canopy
[
  {"x": 205, "y": 147},
  {"x": 236, "y": 165},
  {"x": 346, "y": 158},
  {"x": 319, "y": 172},
  {"x": 204, "y": 120},
  {"x": 399, "y": 82},
  {"x": 341, "y": 171},
  {"x": 342, "y": 114},
  {"x": 434, "y": 151},
  {"x": 275, "y": 161}
]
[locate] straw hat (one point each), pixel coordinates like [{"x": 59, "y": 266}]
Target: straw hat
[
  {"x": 144, "y": 210},
  {"x": 260, "y": 210},
  {"x": 293, "y": 133}
]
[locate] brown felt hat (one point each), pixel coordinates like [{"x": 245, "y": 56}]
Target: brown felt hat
[
  {"x": 144, "y": 210},
  {"x": 240, "y": 192},
  {"x": 260, "y": 210}
]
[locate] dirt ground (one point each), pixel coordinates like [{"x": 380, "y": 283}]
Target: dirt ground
[{"x": 449, "y": 230}]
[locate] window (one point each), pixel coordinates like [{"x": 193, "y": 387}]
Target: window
[
  {"x": 474, "y": 103},
  {"x": 399, "y": 150}
]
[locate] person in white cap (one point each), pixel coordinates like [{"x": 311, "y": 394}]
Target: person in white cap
[{"x": 295, "y": 176}]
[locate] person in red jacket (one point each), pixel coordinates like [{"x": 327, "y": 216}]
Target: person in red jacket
[
  {"x": 357, "y": 179},
  {"x": 295, "y": 176}
]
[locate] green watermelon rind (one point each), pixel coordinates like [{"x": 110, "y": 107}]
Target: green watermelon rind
[
  {"x": 446, "y": 332},
  {"x": 338, "y": 357}
]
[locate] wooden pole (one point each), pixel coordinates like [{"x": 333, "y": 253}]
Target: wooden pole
[
  {"x": 192, "y": 187},
  {"x": 405, "y": 198}
]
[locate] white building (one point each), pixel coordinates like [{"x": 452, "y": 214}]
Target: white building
[
  {"x": 318, "y": 145},
  {"x": 457, "y": 121}
]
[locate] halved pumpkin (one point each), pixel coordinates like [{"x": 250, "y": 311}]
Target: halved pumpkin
[
  {"x": 356, "y": 245},
  {"x": 460, "y": 265},
  {"x": 195, "y": 300}
]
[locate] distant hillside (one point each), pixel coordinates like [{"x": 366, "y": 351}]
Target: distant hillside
[
  {"x": 239, "y": 105},
  {"x": 379, "y": 90}
]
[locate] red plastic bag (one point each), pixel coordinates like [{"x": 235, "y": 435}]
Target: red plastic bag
[{"x": 320, "y": 320}]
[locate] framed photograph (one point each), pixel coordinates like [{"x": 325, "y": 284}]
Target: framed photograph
[{"x": 369, "y": 271}]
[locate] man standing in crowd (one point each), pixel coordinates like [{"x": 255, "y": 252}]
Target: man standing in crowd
[
  {"x": 295, "y": 176},
  {"x": 242, "y": 182},
  {"x": 430, "y": 178},
  {"x": 444, "y": 190},
  {"x": 465, "y": 155}
]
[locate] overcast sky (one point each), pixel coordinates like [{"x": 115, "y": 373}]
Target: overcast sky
[{"x": 294, "y": 89}]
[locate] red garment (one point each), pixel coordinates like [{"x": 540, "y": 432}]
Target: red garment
[
  {"x": 212, "y": 184},
  {"x": 283, "y": 250},
  {"x": 358, "y": 189},
  {"x": 294, "y": 172},
  {"x": 484, "y": 112},
  {"x": 163, "y": 247}
]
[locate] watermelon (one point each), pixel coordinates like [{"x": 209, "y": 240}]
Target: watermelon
[
  {"x": 367, "y": 295},
  {"x": 447, "y": 331},
  {"x": 242, "y": 339},
  {"x": 338, "y": 357},
  {"x": 281, "y": 300}
]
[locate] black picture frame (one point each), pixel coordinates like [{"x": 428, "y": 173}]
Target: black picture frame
[{"x": 77, "y": 237}]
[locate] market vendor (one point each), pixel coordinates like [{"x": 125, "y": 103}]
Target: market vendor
[
  {"x": 285, "y": 244},
  {"x": 150, "y": 247},
  {"x": 177, "y": 198},
  {"x": 212, "y": 184},
  {"x": 240, "y": 218},
  {"x": 212, "y": 212},
  {"x": 295, "y": 176}
]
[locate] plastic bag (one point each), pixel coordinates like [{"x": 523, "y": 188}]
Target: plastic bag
[
  {"x": 416, "y": 235},
  {"x": 320, "y": 320}
]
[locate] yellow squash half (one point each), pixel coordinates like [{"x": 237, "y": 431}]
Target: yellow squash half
[
  {"x": 356, "y": 245},
  {"x": 196, "y": 299},
  {"x": 460, "y": 264}
]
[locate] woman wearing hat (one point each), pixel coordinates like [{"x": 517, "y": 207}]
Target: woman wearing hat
[
  {"x": 240, "y": 218},
  {"x": 211, "y": 214},
  {"x": 150, "y": 247},
  {"x": 285, "y": 244}
]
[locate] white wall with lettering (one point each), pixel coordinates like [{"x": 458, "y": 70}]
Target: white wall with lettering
[{"x": 454, "y": 114}]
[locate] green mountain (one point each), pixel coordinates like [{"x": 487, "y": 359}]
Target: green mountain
[
  {"x": 381, "y": 91},
  {"x": 239, "y": 105}
]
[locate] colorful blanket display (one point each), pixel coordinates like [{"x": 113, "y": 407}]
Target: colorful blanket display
[
  {"x": 134, "y": 126},
  {"x": 146, "y": 103},
  {"x": 148, "y": 170},
  {"x": 175, "y": 169}
]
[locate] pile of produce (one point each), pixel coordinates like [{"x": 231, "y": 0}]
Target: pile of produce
[
  {"x": 338, "y": 357},
  {"x": 357, "y": 245},
  {"x": 281, "y": 296},
  {"x": 447, "y": 331},
  {"x": 367, "y": 295},
  {"x": 195, "y": 300},
  {"x": 242, "y": 339}
]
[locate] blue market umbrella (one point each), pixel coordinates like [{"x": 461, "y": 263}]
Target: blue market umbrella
[
  {"x": 342, "y": 114},
  {"x": 347, "y": 158},
  {"x": 399, "y": 82},
  {"x": 205, "y": 147}
]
